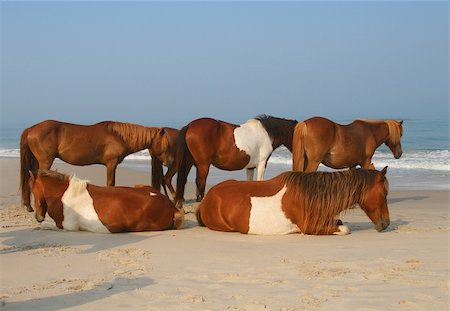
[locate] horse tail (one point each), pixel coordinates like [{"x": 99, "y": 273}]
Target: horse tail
[
  {"x": 184, "y": 162},
  {"x": 28, "y": 163},
  {"x": 157, "y": 173},
  {"x": 199, "y": 218},
  {"x": 298, "y": 147}
]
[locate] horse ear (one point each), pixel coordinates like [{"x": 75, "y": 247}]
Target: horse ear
[
  {"x": 383, "y": 171},
  {"x": 401, "y": 122},
  {"x": 162, "y": 131}
]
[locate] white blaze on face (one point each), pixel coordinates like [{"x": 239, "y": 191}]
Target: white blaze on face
[
  {"x": 252, "y": 138},
  {"x": 78, "y": 208},
  {"x": 267, "y": 217}
]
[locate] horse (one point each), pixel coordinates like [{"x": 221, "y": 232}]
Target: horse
[
  {"x": 296, "y": 202},
  {"x": 319, "y": 140},
  {"x": 229, "y": 147},
  {"x": 106, "y": 143},
  {"x": 167, "y": 157},
  {"x": 75, "y": 205}
]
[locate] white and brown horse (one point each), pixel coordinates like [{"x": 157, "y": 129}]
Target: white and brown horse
[
  {"x": 75, "y": 205},
  {"x": 296, "y": 202},
  {"x": 229, "y": 147},
  {"x": 319, "y": 140},
  {"x": 106, "y": 143}
]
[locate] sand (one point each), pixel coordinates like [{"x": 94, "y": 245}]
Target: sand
[{"x": 403, "y": 268}]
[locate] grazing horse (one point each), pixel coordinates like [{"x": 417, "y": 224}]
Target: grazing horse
[
  {"x": 106, "y": 143},
  {"x": 74, "y": 205},
  {"x": 229, "y": 147},
  {"x": 319, "y": 140},
  {"x": 167, "y": 157},
  {"x": 296, "y": 202}
]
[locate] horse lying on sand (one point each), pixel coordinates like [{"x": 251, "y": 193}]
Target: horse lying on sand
[
  {"x": 296, "y": 202},
  {"x": 74, "y": 205}
]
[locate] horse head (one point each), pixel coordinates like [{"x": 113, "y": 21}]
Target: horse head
[
  {"x": 40, "y": 204},
  {"x": 374, "y": 201},
  {"x": 393, "y": 141},
  {"x": 160, "y": 145}
]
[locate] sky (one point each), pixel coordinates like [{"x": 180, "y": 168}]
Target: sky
[{"x": 168, "y": 63}]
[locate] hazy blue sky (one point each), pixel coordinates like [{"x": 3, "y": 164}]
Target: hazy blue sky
[{"x": 167, "y": 63}]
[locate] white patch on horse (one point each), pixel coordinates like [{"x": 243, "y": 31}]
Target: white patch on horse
[
  {"x": 267, "y": 216},
  {"x": 78, "y": 208},
  {"x": 343, "y": 230},
  {"x": 152, "y": 194},
  {"x": 252, "y": 138}
]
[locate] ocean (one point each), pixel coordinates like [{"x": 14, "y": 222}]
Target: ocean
[{"x": 424, "y": 164}]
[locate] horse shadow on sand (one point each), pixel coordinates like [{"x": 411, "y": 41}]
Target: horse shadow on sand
[
  {"x": 368, "y": 225},
  {"x": 26, "y": 239},
  {"x": 77, "y": 299}
]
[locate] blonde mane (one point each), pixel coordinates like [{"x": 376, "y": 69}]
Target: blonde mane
[
  {"x": 325, "y": 195},
  {"x": 394, "y": 127},
  {"x": 137, "y": 137}
]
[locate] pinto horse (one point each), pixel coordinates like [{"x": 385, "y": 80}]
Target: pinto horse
[
  {"x": 76, "y": 205},
  {"x": 319, "y": 140},
  {"x": 296, "y": 202},
  {"x": 166, "y": 157},
  {"x": 106, "y": 143},
  {"x": 229, "y": 147}
]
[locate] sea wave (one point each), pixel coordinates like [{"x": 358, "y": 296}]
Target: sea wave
[{"x": 437, "y": 160}]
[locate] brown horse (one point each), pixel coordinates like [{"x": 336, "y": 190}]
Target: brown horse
[
  {"x": 106, "y": 143},
  {"x": 166, "y": 157},
  {"x": 319, "y": 140},
  {"x": 76, "y": 205},
  {"x": 229, "y": 147},
  {"x": 296, "y": 202}
]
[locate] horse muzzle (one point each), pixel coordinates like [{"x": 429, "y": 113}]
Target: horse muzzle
[
  {"x": 398, "y": 155},
  {"x": 39, "y": 218},
  {"x": 382, "y": 224}
]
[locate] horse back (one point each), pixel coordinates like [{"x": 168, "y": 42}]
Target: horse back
[
  {"x": 132, "y": 209},
  {"x": 245, "y": 206}
]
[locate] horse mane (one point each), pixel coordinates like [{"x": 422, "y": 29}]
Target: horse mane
[
  {"x": 394, "y": 128},
  {"x": 277, "y": 127},
  {"x": 324, "y": 195},
  {"x": 81, "y": 183},
  {"x": 53, "y": 174},
  {"x": 136, "y": 136}
]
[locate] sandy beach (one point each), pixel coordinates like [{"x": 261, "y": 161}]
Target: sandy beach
[{"x": 404, "y": 268}]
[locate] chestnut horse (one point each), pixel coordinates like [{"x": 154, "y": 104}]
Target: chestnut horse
[
  {"x": 106, "y": 143},
  {"x": 76, "y": 205},
  {"x": 167, "y": 158},
  {"x": 229, "y": 147},
  {"x": 296, "y": 202},
  {"x": 319, "y": 140}
]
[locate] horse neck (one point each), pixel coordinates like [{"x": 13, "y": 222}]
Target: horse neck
[
  {"x": 282, "y": 136},
  {"x": 142, "y": 138},
  {"x": 380, "y": 132},
  {"x": 54, "y": 188}
]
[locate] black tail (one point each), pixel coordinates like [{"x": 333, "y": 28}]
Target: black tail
[
  {"x": 184, "y": 163},
  {"x": 28, "y": 163},
  {"x": 157, "y": 174}
]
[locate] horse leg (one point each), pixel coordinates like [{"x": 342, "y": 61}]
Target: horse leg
[
  {"x": 111, "y": 173},
  {"x": 260, "y": 170},
  {"x": 312, "y": 166},
  {"x": 331, "y": 229},
  {"x": 202, "y": 173},
  {"x": 168, "y": 179},
  {"x": 250, "y": 173}
]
